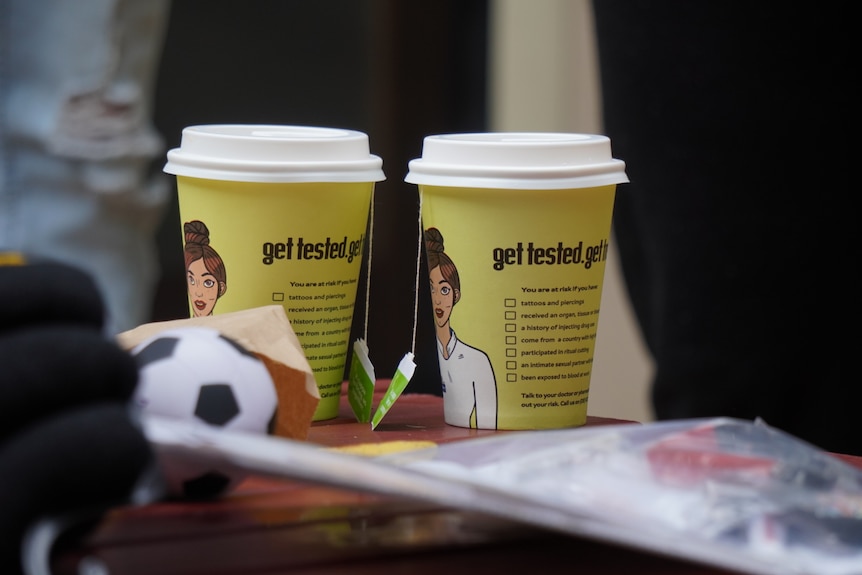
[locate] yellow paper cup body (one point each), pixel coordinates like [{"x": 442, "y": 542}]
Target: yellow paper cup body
[
  {"x": 516, "y": 267},
  {"x": 292, "y": 239}
]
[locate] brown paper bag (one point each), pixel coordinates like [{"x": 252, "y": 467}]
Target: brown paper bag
[{"x": 267, "y": 333}]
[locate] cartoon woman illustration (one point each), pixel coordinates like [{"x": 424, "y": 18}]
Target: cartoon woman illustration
[
  {"x": 205, "y": 270},
  {"x": 469, "y": 386}
]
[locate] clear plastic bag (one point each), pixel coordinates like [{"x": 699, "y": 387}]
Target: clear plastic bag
[
  {"x": 724, "y": 492},
  {"x": 728, "y": 492}
]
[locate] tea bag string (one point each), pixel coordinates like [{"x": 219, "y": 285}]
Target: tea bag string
[
  {"x": 416, "y": 283},
  {"x": 416, "y": 286},
  {"x": 368, "y": 268}
]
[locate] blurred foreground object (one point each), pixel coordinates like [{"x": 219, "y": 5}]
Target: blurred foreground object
[
  {"x": 67, "y": 442},
  {"x": 197, "y": 374}
]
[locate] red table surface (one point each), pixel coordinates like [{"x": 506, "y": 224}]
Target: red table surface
[{"x": 270, "y": 526}]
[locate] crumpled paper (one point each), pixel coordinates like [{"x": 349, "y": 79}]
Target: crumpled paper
[{"x": 266, "y": 332}]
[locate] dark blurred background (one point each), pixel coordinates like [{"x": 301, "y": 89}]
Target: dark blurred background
[{"x": 395, "y": 70}]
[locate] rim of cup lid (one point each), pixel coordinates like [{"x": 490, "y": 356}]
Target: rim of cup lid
[
  {"x": 274, "y": 153},
  {"x": 518, "y": 160}
]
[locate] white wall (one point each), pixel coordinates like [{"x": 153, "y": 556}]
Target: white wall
[{"x": 544, "y": 77}]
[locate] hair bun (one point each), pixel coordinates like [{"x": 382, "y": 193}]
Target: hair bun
[
  {"x": 434, "y": 240},
  {"x": 196, "y": 232}
]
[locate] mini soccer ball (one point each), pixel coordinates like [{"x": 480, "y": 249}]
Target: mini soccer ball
[{"x": 197, "y": 374}]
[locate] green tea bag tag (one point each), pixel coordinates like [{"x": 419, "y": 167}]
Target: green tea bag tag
[
  {"x": 360, "y": 383},
  {"x": 399, "y": 381},
  {"x": 406, "y": 367}
]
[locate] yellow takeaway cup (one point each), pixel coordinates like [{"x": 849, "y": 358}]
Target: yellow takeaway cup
[
  {"x": 516, "y": 230},
  {"x": 275, "y": 214}
]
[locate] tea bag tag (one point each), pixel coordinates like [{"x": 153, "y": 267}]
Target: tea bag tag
[
  {"x": 399, "y": 381},
  {"x": 360, "y": 383},
  {"x": 407, "y": 366}
]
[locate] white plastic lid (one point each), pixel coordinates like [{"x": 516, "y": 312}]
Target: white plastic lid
[
  {"x": 518, "y": 160},
  {"x": 272, "y": 153}
]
